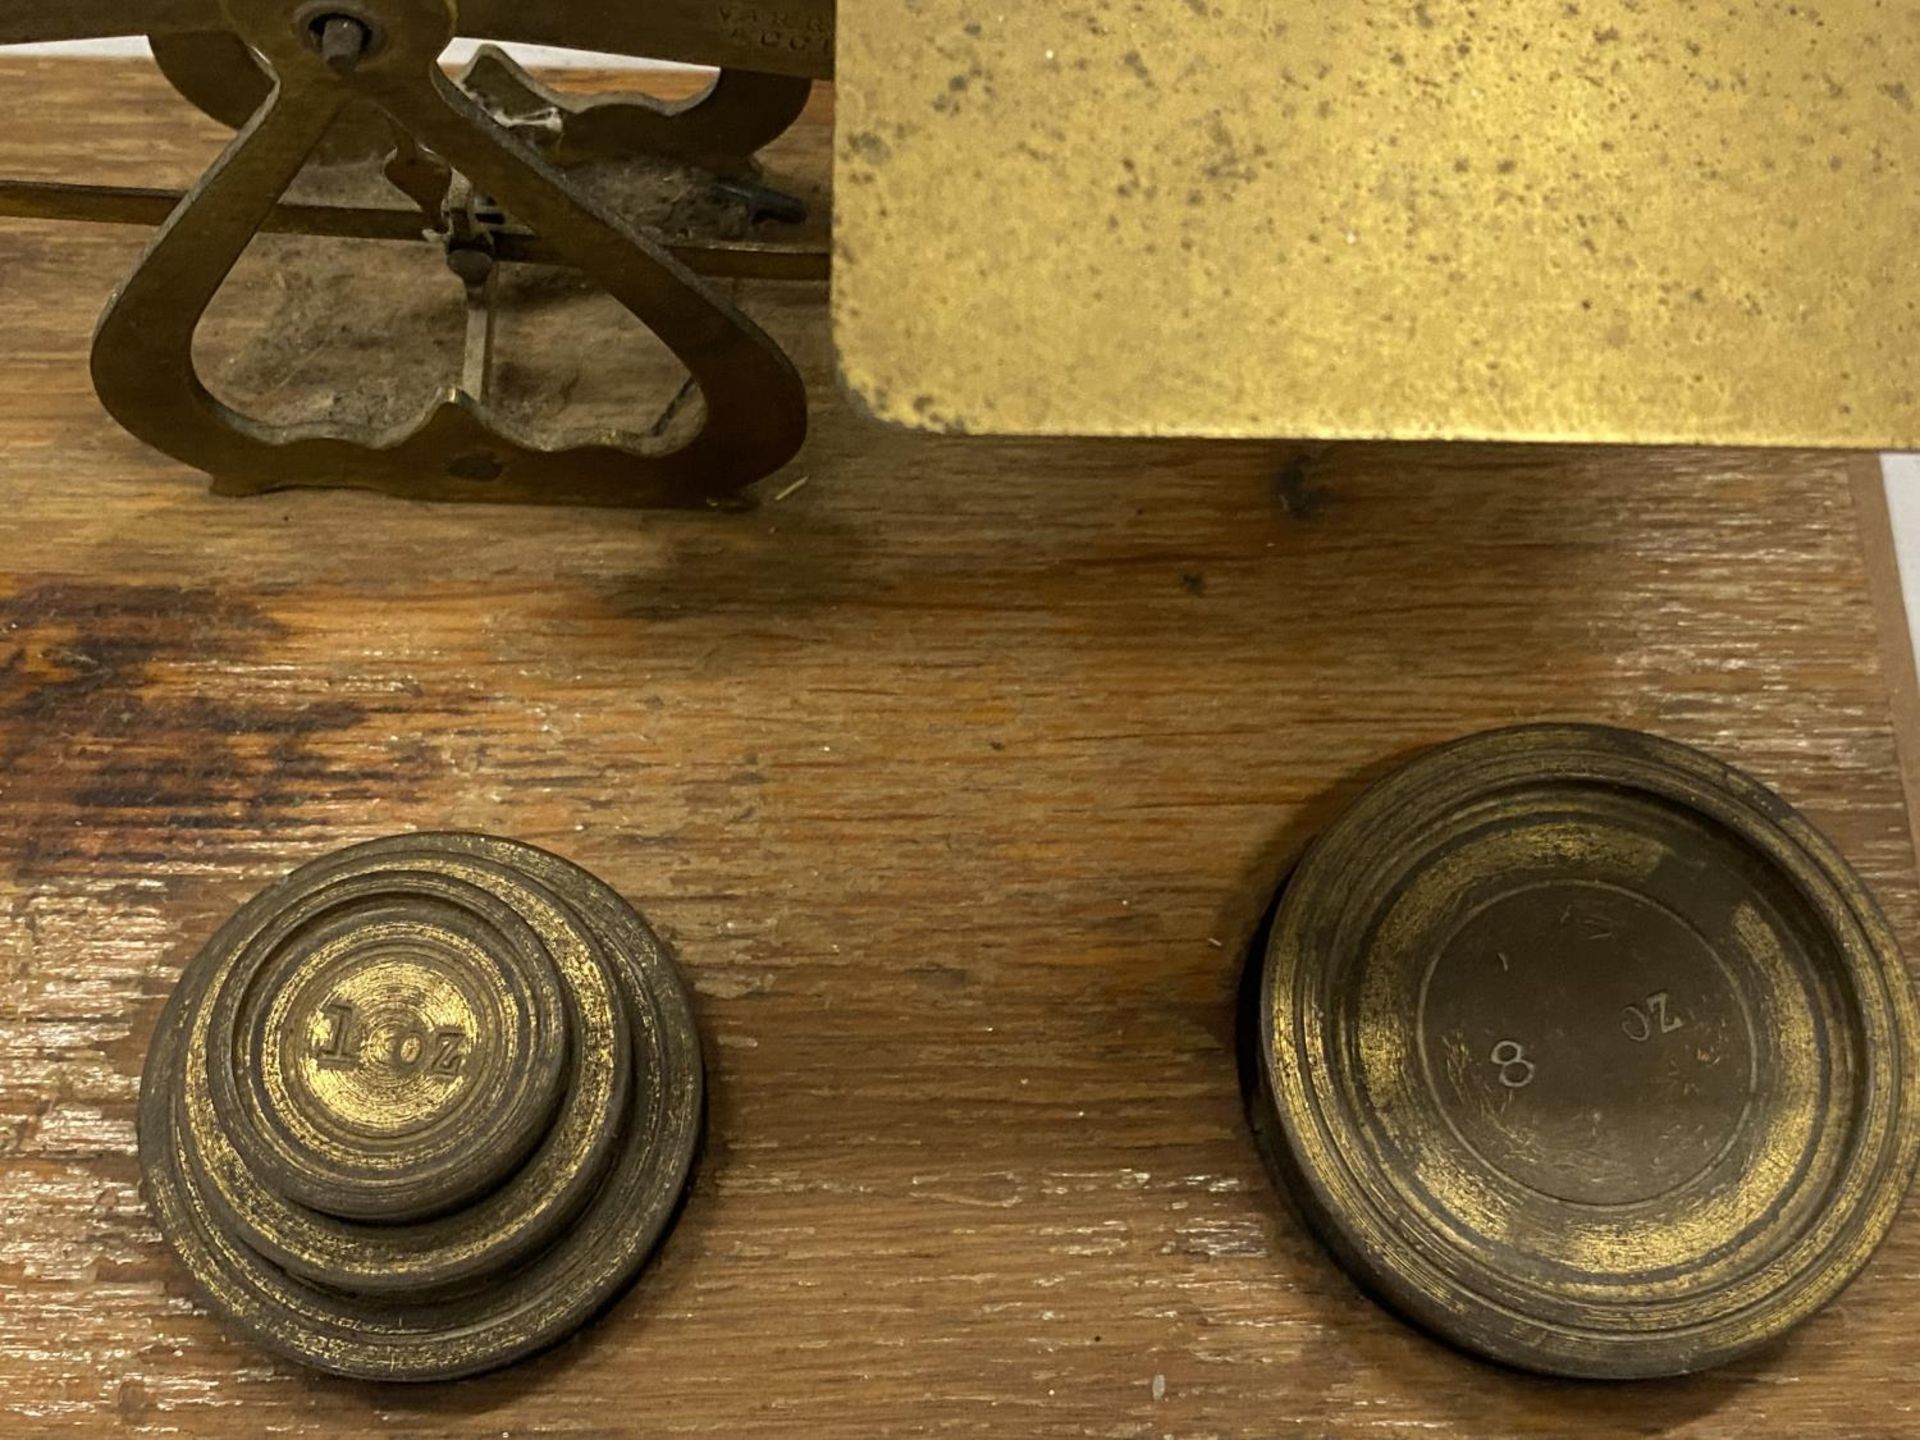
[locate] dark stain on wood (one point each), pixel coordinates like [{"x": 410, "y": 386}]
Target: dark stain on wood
[{"x": 110, "y": 721}]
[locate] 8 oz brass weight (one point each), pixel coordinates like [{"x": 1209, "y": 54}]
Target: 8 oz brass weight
[
  {"x": 422, "y": 1107},
  {"x": 1586, "y": 1052}
]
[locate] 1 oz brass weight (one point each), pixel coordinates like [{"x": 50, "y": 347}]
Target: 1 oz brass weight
[
  {"x": 1586, "y": 1052},
  {"x": 422, "y": 1107}
]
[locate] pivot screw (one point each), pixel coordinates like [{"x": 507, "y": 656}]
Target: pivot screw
[{"x": 342, "y": 41}]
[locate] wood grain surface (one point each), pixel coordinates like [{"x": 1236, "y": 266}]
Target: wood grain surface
[{"x": 958, "y": 777}]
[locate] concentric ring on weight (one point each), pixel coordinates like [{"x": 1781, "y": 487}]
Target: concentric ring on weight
[
  {"x": 513, "y": 1222},
  {"x": 292, "y": 1152}
]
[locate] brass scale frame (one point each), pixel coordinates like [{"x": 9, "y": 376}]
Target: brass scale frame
[{"x": 484, "y": 160}]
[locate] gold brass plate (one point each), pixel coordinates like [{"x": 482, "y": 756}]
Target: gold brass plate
[
  {"x": 1608, "y": 222},
  {"x": 422, "y": 1108},
  {"x": 1587, "y": 1053}
]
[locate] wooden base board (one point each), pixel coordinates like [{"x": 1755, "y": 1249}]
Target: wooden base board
[{"x": 958, "y": 776}]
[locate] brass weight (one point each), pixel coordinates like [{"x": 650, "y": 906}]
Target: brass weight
[
  {"x": 1585, "y": 1052},
  {"x": 422, "y": 1107}
]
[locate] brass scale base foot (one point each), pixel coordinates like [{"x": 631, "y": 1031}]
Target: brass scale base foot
[{"x": 484, "y": 164}]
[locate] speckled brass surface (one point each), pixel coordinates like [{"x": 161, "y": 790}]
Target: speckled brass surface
[
  {"x": 1605, "y": 221},
  {"x": 1588, "y": 1053},
  {"x": 422, "y": 1107}
]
